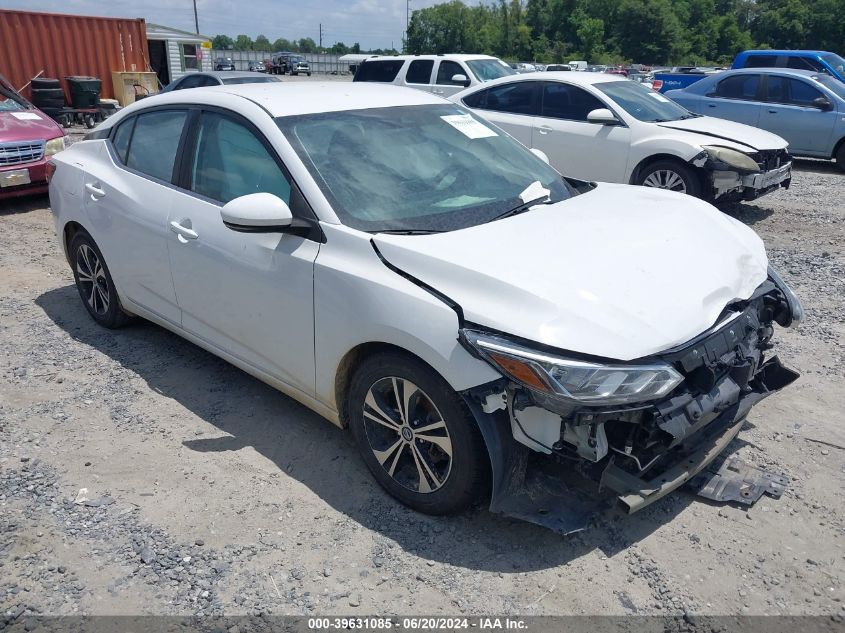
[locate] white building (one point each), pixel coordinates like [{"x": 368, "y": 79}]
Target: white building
[{"x": 174, "y": 53}]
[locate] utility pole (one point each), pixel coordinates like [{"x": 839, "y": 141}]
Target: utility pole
[
  {"x": 196, "y": 19},
  {"x": 407, "y": 22},
  {"x": 321, "y": 36}
]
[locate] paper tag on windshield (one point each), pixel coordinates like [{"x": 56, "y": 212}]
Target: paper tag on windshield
[
  {"x": 26, "y": 116},
  {"x": 468, "y": 126},
  {"x": 659, "y": 97}
]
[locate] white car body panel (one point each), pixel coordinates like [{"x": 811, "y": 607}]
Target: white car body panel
[
  {"x": 673, "y": 265},
  {"x": 591, "y": 151}
]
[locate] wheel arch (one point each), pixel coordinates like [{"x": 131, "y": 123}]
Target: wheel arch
[
  {"x": 70, "y": 231},
  {"x": 837, "y": 147},
  {"x": 653, "y": 158}
]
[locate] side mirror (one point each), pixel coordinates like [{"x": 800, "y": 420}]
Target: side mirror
[
  {"x": 257, "y": 213},
  {"x": 602, "y": 116},
  {"x": 460, "y": 79},
  {"x": 540, "y": 154},
  {"x": 823, "y": 104}
]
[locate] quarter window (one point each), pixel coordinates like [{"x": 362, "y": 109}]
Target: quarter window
[
  {"x": 230, "y": 161},
  {"x": 155, "y": 142},
  {"x": 188, "y": 53},
  {"x": 383, "y": 71},
  {"x": 446, "y": 71},
  {"x": 761, "y": 61},
  {"x": 419, "y": 71},
  {"x": 562, "y": 101},
  {"x": 739, "y": 87},
  {"x": 803, "y": 63},
  {"x": 120, "y": 140}
]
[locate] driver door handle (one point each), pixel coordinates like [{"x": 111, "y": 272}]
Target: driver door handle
[
  {"x": 183, "y": 232},
  {"x": 94, "y": 190},
  {"x": 544, "y": 129}
]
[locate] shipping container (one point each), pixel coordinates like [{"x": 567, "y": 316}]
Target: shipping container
[{"x": 65, "y": 45}]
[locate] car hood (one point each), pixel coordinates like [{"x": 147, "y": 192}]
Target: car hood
[
  {"x": 722, "y": 132},
  {"x": 27, "y": 125},
  {"x": 620, "y": 272}
]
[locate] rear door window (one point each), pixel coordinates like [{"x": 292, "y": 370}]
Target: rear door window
[
  {"x": 380, "y": 70},
  {"x": 519, "y": 97},
  {"x": 447, "y": 70},
  {"x": 761, "y": 61},
  {"x": 154, "y": 143},
  {"x": 739, "y": 87},
  {"x": 419, "y": 72},
  {"x": 802, "y": 93}
]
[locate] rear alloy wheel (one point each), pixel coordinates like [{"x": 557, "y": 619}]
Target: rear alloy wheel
[
  {"x": 671, "y": 175},
  {"x": 94, "y": 283},
  {"x": 415, "y": 435}
]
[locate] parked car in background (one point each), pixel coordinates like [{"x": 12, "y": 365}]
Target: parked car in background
[
  {"x": 680, "y": 77},
  {"x": 646, "y": 79},
  {"x": 597, "y": 126},
  {"x": 289, "y": 63},
  {"x": 256, "y": 67},
  {"x": 28, "y": 138},
  {"x": 442, "y": 75},
  {"x": 558, "y": 68},
  {"x": 224, "y": 63},
  {"x": 806, "y": 108},
  {"x": 578, "y": 65},
  {"x": 815, "y": 61},
  {"x": 298, "y": 66},
  {"x": 402, "y": 268},
  {"x": 226, "y": 78}
]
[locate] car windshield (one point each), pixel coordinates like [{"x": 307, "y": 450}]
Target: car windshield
[
  {"x": 489, "y": 69},
  {"x": 836, "y": 62},
  {"x": 425, "y": 168},
  {"x": 643, "y": 103},
  {"x": 252, "y": 79},
  {"x": 832, "y": 84},
  {"x": 11, "y": 101}
]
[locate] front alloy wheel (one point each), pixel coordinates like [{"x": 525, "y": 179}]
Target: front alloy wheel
[
  {"x": 416, "y": 435},
  {"x": 671, "y": 175}
]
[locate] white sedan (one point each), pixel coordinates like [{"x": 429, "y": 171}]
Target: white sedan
[
  {"x": 409, "y": 272},
  {"x": 604, "y": 127}
]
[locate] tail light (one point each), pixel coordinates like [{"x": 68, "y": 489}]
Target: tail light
[
  {"x": 51, "y": 169},
  {"x": 657, "y": 84}
]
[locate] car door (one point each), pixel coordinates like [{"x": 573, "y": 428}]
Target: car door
[
  {"x": 443, "y": 84},
  {"x": 418, "y": 74},
  {"x": 128, "y": 192},
  {"x": 248, "y": 294},
  {"x": 575, "y": 146},
  {"x": 791, "y": 112},
  {"x": 512, "y": 106},
  {"x": 736, "y": 98}
]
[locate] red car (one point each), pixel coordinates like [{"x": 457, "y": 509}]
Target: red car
[{"x": 28, "y": 138}]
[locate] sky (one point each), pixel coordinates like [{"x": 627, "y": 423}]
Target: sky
[{"x": 372, "y": 23}]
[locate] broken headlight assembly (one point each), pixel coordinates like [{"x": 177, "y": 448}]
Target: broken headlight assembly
[
  {"x": 574, "y": 381},
  {"x": 796, "y": 310},
  {"x": 731, "y": 158}
]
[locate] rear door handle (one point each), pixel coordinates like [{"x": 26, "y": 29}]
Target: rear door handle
[
  {"x": 184, "y": 234},
  {"x": 94, "y": 190},
  {"x": 711, "y": 105},
  {"x": 773, "y": 111},
  {"x": 544, "y": 129}
]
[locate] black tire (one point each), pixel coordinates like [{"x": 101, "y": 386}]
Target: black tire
[
  {"x": 678, "y": 176},
  {"x": 455, "y": 463},
  {"x": 45, "y": 83},
  {"x": 102, "y": 303},
  {"x": 47, "y": 93},
  {"x": 309, "y": 74},
  {"x": 41, "y": 104},
  {"x": 840, "y": 155}
]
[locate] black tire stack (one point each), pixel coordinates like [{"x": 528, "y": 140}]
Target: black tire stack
[{"x": 47, "y": 95}]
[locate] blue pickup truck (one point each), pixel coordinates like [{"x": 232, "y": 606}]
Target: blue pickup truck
[
  {"x": 680, "y": 77},
  {"x": 815, "y": 61}
]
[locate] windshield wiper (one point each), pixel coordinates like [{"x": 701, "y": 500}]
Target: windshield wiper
[
  {"x": 538, "y": 195},
  {"x": 409, "y": 231}
]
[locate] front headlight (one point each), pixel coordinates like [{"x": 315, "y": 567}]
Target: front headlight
[
  {"x": 54, "y": 146},
  {"x": 732, "y": 157},
  {"x": 795, "y": 307},
  {"x": 586, "y": 383}
]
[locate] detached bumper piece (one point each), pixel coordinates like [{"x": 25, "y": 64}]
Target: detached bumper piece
[{"x": 733, "y": 480}]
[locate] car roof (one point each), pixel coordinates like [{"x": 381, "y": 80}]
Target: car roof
[
  {"x": 289, "y": 99},
  {"x": 798, "y": 72},
  {"x": 570, "y": 77},
  {"x": 798, "y": 53},
  {"x": 225, "y": 74},
  {"x": 458, "y": 56}
]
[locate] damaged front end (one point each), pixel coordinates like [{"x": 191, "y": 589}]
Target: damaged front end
[
  {"x": 735, "y": 175},
  {"x": 565, "y": 431}
]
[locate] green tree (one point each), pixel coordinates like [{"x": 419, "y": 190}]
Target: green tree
[
  {"x": 648, "y": 31},
  {"x": 222, "y": 42},
  {"x": 590, "y": 34},
  {"x": 243, "y": 43},
  {"x": 261, "y": 43},
  {"x": 307, "y": 45},
  {"x": 282, "y": 44}
]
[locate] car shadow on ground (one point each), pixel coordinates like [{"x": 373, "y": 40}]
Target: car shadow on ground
[
  {"x": 323, "y": 458},
  {"x": 24, "y": 204},
  {"x": 816, "y": 165},
  {"x": 746, "y": 212}
]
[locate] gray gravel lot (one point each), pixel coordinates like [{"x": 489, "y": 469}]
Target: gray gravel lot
[{"x": 208, "y": 492}]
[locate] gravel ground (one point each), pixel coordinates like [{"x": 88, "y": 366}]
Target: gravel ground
[{"x": 207, "y": 492}]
